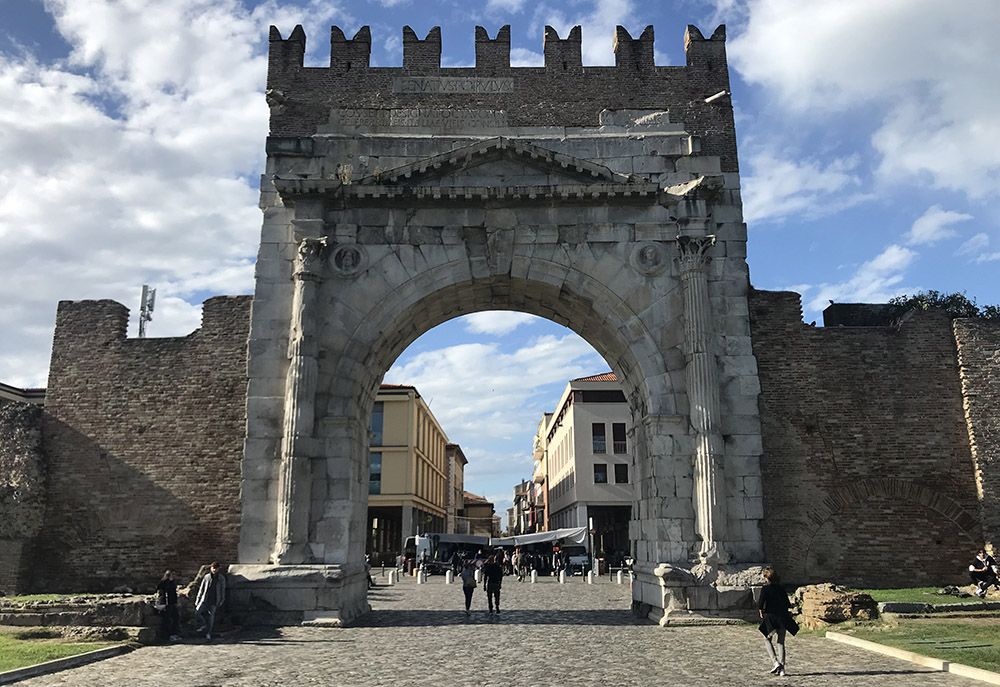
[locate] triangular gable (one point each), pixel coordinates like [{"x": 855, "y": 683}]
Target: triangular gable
[{"x": 549, "y": 162}]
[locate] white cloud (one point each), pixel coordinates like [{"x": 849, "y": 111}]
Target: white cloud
[
  {"x": 914, "y": 61},
  {"x": 597, "y": 24},
  {"x": 522, "y": 57},
  {"x": 934, "y": 225},
  {"x": 496, "y": 321},
  {"x": 128, "y": 163},
  {"x": 480, "y": 393},
  {"x": 976, "y": 248},
  {"x": 776, "y": 188},
  {"x": 875, "y": 281},
  {"x": 974, "y": 245},
  {"x": 505, "y": 6}
]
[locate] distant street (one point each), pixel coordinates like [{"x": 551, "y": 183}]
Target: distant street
[{"x": 547, "y": 633}]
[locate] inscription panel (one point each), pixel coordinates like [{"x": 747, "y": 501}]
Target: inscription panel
[
  {"x": 444, "y": 119},
  {"x": 452, "y": 84}
]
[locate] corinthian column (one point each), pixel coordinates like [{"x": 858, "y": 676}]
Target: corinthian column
[
  {"x": 703, "y": 396},
  {"x": 292, "y": 536}
]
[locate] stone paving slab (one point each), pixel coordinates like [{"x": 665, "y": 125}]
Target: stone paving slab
[{"x": 547, "y": 634}]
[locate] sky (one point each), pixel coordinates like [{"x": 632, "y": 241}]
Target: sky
[{"x": 132, "y": 142}]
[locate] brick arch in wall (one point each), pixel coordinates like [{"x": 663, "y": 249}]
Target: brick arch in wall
[{"x": 894, "y": 498}]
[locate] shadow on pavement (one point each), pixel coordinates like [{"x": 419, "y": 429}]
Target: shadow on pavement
[{"x": 426, "y": 618}]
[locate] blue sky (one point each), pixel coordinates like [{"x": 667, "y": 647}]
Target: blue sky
[{"x": 131, "y": 140}]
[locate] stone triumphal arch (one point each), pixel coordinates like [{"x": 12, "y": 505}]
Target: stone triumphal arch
[{"x": 604, "y": 198}]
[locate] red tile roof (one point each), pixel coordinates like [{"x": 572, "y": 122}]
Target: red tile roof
[
  {"x": 603, "y": 377},
  {"x": 469, "y": 497}
]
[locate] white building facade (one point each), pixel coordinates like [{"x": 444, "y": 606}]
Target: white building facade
[{"x": 589, "y": 461}]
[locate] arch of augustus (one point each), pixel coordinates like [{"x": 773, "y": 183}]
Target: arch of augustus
[{"x": 606, "y": 199}]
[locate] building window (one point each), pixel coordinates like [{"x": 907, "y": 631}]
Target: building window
[
  {"x": 600, "y": 473},
  {"x": 621, "y": 473},
  {"x": 618, "y": 437},
  {"x": 378, "y": 416},
  {"x": 600, "y": 438},
  {"x": 375, "y": 472}
]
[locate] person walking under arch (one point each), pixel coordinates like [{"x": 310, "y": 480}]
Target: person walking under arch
[
  {"x": 468, "y": 578},
  {"x": 492, "y": 581},
  {"x": 211, "y": 596},
  {"x": 776, "y": 619}
]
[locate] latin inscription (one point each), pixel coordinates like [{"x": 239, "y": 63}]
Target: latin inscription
[
  {"x": 449, "y": 120},
  {"x": 451, "y": 84}
]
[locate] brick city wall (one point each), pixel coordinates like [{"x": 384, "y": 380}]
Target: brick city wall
[
  {"x": 22, "y": 488},
  {"x": 868, "y": 472},
  {"x": 561, "y": 93},
  {"x": 979, "y": 365},
  {"x": 867, "y": 467},
  {"x": 143, "y": 439}
]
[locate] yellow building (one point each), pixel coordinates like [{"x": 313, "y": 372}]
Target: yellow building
[{"x": 411, "y": 472}]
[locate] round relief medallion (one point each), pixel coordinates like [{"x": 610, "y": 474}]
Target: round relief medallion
[
  {"x": 347, "y": 259},
  {"x": 649, "y": 258}
]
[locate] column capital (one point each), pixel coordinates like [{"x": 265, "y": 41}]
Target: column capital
[
  {"x": 693, "y": 251},
  {"x": 309, "y": 261}
]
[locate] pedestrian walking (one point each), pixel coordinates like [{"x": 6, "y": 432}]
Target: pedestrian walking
[
  {"x": 516, "y": 562},
  {"x": 211, "y": 596},
  {"x": 776, "y": 619},
  {"x": 166, "y": 604},
  {"x": 492, "y": 581},
  {"x": 468, "y": 584}
]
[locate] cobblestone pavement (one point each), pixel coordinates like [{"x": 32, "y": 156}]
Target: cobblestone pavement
[{"x": 547, "y": 634}]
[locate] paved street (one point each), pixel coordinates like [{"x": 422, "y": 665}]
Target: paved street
[{"x": 547, "y": 634}]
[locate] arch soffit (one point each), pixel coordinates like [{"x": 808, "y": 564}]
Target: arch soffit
[{"x": 426, "y": 300}]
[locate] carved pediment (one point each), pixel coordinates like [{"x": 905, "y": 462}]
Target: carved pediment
[{"x": 498, "y": 161}]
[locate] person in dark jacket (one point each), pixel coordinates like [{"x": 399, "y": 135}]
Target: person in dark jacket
[
  {"x": 492, "y": 580},
  {"x": 166, "y": 602},
  {"x": 983, "y": 572},
  {"x": 776, "y": 619}
]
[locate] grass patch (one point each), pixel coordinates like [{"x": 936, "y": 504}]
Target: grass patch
[
  {"x": 19, "y": 653},
  {"x": 920, "y": 595},
  {"x": 973, "y": 644}
]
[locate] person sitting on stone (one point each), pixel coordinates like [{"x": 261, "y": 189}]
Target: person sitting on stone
[{"x": 983, "y": 572}]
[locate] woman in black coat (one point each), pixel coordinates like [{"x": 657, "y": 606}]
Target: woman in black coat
[{"x": 776, "y": 619}]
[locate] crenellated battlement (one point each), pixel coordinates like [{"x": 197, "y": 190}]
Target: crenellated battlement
[
  {"x": 350, "y": 53},
  {"x": 561, "y": 54},
  {"x": 563, "y": 92}
]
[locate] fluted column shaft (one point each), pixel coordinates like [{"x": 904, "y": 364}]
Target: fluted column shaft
[
  {"x": 702, "y": 375},
  {"x": 291, "y": 545}
]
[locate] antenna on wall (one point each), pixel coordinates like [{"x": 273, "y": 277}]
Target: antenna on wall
[{"x": 146, "y": 304}]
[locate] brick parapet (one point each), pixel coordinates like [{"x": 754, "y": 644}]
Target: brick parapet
[
  {"x": 866, "y": 460},
  {"x": 144, "y": 440},
  {"x": 561, "y": 93},
  {"x": 978, "y": 343}
]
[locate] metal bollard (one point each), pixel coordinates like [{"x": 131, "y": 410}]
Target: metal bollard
[
  {"x": 620, "y": 577},
  {"x": 562, "y": 577},
  {"x": 534, "y": 576},
  {"x": 590, "y": 577},
  {"x": 448, "y": 576}
]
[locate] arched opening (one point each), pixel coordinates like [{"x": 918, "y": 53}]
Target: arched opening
[
  {"x": 590, "y": 310},
  {"x": 488, "y": 393}
]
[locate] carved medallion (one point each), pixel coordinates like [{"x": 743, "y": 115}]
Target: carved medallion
[
  {"x": 649, "y": 258},
  {"x": 347, "y": 259}
]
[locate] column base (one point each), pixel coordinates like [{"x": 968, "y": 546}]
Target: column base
[
  {"x": 696, "y": 594},
  {"x": 328, "y": 595}
]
